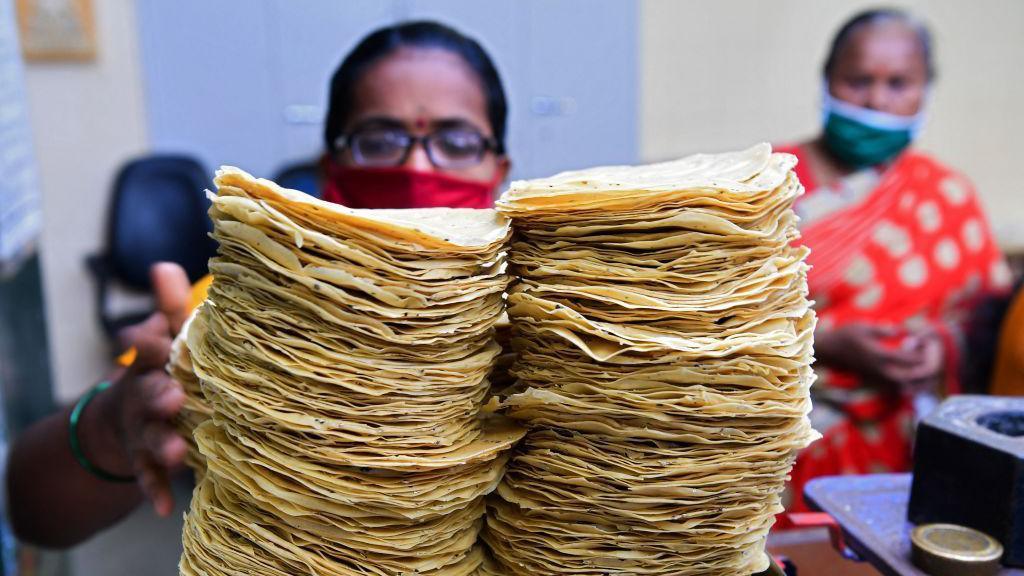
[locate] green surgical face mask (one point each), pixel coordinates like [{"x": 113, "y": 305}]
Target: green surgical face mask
[{"x": 860, "y": 137}]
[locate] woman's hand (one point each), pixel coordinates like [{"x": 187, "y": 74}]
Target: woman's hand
[
  {"x": 171, "y": 290},
  {"x": 144, "y": 402},
  {"x": 145, "y": 399},
  {"x": 915, "y": 363}
]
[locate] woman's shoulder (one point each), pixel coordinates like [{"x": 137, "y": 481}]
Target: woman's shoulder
[
  {"x": 926, "y": 172},
  {"x": 928, "y": 165}
]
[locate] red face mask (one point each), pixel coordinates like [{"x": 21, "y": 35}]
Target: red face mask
[{"x": 398, "y": 187}]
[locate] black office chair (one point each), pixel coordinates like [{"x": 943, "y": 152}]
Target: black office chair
[
  {"x": 302, "y": 176},
  {"x": 158, "y": 212}
]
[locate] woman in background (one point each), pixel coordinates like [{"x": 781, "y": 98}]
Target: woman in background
[
  {"x": 900, "y": 250},
  {"x": 416, "y": 119}
]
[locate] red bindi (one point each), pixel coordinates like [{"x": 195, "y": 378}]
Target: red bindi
[{"x": 420, "y": 124}]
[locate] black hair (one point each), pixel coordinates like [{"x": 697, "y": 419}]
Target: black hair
[
  {"x": 419, "y": 34},
  {"x": 874, "y": 16}
]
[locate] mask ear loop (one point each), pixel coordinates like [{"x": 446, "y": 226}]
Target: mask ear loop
[
  {"x": 923, "y": 113},
  {"x": 825, "y": 100}
]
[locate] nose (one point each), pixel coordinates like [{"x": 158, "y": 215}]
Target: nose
[
  {"x": 418, "y": 159},
  {"x": 878, "y": 97}
]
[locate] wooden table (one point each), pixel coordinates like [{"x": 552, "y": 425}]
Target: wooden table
[{"x": 872, "y": 512}]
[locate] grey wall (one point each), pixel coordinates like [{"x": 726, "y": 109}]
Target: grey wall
[{"x": 244, "y": 82}]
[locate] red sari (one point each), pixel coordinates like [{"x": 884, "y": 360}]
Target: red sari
[{"x": 912, "y": 248}]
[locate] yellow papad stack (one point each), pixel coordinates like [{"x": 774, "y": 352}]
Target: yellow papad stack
[
  {"x": 342, "y": 358},
  {"x": 663, "y": 338}
]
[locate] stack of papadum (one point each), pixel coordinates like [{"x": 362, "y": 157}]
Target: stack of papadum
[
  {"x": 664, "y": 347},
  {"x": 343, "y": 356},
  {"x": 195, "y": 410}
]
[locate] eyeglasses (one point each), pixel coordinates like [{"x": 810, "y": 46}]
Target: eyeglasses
[{"x": 447, "y": 148}]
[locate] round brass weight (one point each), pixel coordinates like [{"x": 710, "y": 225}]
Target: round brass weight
[{"x": 951, "y": 550}]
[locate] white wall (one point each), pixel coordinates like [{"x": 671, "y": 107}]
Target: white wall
[
  {"x": 87, "y": 118},
  {"x": 725, "y": 74}
]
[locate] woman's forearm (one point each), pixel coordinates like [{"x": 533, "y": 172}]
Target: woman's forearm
[{"x": 53, "y": 501}]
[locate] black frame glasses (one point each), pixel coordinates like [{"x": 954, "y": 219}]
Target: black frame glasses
[{"x": 448, "y": 148}]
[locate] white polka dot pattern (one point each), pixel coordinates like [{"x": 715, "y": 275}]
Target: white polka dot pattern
[
  {"x": 1000, "y": 275},
  {"x": 869, "y": 297},
  {"x": 928, "y": 216},
  {"x": 947, "y": 255},
  {"x": 893, "y": 238},
  {"x": 860, "y": 271},
  {"x": 907, "y": 202},
  {"x": 914, "y": 272},
  {"x": 973, "y": 235},
  {"x": 954, "y": 190},
  {"x": 916, "y": 322}
]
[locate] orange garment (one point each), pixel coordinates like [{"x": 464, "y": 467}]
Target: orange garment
[
  {"x": 199, "y": 291},
  {"x": 195, "y": 298},
  {"x": 1008, "y": 376}
]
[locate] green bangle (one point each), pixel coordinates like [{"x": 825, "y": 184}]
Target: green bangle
[{"x": 76, "y": 444}]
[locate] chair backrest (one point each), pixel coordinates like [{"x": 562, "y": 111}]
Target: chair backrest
[
  {"x": 158, "y": 213},
  {"x": 303, "y": 176}
]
